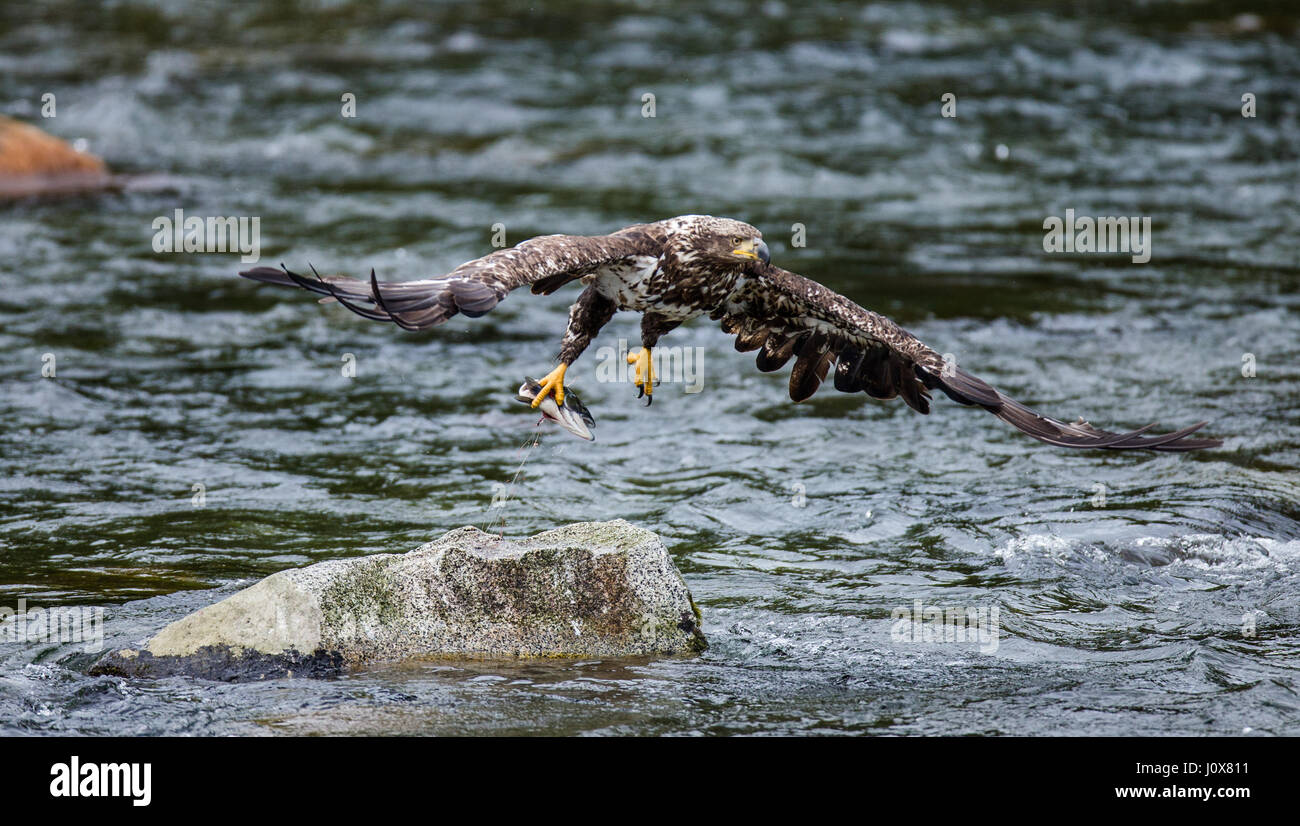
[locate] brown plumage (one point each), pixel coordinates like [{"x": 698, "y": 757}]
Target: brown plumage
[{"x": 683, "y": 267}]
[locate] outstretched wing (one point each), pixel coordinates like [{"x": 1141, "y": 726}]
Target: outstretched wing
[
  {"x": 785, "y": 316},
  {"x": 545, "y": 263}
]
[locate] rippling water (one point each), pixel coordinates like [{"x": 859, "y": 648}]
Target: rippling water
[{"x": 1126, "y": 585}]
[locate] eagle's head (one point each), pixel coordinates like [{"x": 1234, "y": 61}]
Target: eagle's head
[{"x": 719, "y": 242}]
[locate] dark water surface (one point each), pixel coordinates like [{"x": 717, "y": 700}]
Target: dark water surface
[{"x": 798, "y": 528}]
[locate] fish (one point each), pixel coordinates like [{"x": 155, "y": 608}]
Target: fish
[{"x": 573, "y": 416}]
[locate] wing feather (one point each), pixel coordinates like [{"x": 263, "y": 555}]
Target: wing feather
[
  {"x": 777, "y": 350},
  {"x": 785, "y": 315},
  {"x": 545, "y": 263}
]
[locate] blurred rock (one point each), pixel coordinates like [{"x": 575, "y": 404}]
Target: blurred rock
[
  {"x": 591, "y": 589},
  {"x": 34, "y": 163}
]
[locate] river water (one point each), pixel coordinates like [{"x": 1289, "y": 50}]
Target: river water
[{"x": 1135, "y": 594}]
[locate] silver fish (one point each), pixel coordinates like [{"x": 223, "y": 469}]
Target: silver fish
[{"x": 572, "y": 415}]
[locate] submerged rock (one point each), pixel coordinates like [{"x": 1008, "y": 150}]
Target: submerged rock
[
  {"x": 35, "y": 163},
  {"x": 591, "y": 589}
]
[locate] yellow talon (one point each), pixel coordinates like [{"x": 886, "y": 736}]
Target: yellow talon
[
  {"x": 644, "y": 376},
  {"x": 553, "y": 384}
]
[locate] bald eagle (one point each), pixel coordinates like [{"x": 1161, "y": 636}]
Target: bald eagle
[{"x": 674, "y": 270}]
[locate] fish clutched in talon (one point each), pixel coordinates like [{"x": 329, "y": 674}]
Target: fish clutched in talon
[{"x": 571, "y": 415}]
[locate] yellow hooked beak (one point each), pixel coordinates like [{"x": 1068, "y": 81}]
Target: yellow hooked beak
[{"x": 753, "y": 249}]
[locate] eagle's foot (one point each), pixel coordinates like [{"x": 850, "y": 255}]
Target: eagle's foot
[
  {"x": 552, "y": 384},
  {"x": 644, "y": 376}
]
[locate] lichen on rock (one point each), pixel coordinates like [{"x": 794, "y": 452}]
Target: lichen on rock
[{"x": 605, "y": 589}]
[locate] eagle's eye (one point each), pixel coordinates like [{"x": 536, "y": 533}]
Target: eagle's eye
[{"x": 735, "y": 240}]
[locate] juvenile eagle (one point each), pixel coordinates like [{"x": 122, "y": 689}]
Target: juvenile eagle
[{"x": 677, "y": 269}]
